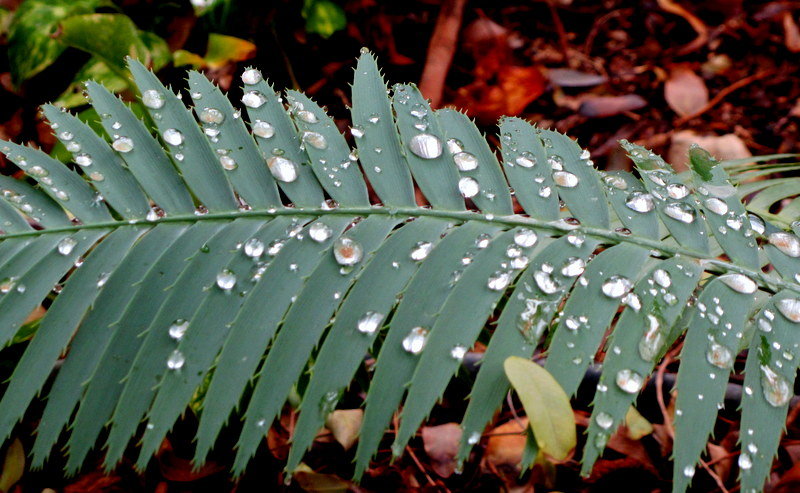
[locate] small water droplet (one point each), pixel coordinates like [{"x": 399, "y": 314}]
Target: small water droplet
[
  {"x": 307, "y": 116},
  {"x": 253, "y": 248},
  {"x": 662, "y": 278},
  {"x": 573, "y": 267},
  {"x": 719, "y": 355},
  {"x": 263, "y": 129},
  {"x": 178, "y": 329},
  {"x": 615, "y": 181},
  {"x": 66, "y": 245},
  {"x": 226, "y": 279},
  {"x": 369, "y": 322},
  {"x": 565, "y": 179},
  {"x": 468, "y": 187},
  {"x": 228, "y": 163},
  {"x": 415, "y": 341},
  {"x": 426, "y": 146},
  {"x": 680, "y": 212},
  {"x": 253, "y": 99},
  {"x": 172, "y": 136},
  {"x": 83, "y": 159},
  {"x": 458, "y": 352},
  {"x": 677, "y": 190},
  {"x": 499, "y": 280},
  {"x": 347, "y": 251},
  {"x": 716, "y": 206},
  {"x": 315, "y": 140},
  {"x": 688, "y": 471},
  {"x": 525, "y": 238},
  {"x": 175, "y": 360},
  {"x": 545, "y": 282},
  {"x": 640, "y": 202},
  {"x": 153, "y": 99},
  {"x": 616, "y": 286},
  {"x": 604, "y": 420},
  {"x": 629, "y": 381},
  {"x": 421, "y": 250},
  {"x": 251, "y": 76},
  {"x": 465, "y": 161},
  {"x": 282, "y": 169},
  {"x": 122, "y": 144},
  {"x": 211, "y": 116}
]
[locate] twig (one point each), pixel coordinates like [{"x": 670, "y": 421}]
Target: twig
[
  {"x": 698, "y": 25},
  {"x": 723, "y": 93},
  {"x": 660, "y": 394},
  {"x": 420, "y": 466},
  {"x": 441, "y": 50},
  {"x": 714, "y": 476},
  {"x": 562, "y": 34}
]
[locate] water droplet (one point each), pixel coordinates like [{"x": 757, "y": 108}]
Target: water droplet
[
  {"x": 102, "y": 278},
  {"x": 253, "y": 248},
  {"x": 369, "y": 322},
  {"x": 228, "y": 163},
  {"x": 546, "y": 283},
  {"x": 652, "y": 340},
  {"x": 251, "y": 76},
  {"x": 263, "y": 129},
  {"x": 315, "y": 140},
  {"x": 525, "y": 238},
  {"x": 604, "y": 420},
  {"x": 122, "y": 144},
  {"x": 739, "y": 283},
  {"x": 153, "y": 99},
  {"x": 66, "y": 245},
  {"x": 307, "y": 116},
  {"x": 347, "y": 251},
  {"x": 83, "y": 159},
  {"x": 211, "y": 116},
  {"x": 253, "y": 99},
  {"x": 745, "y": 462},
  {"x": 175, "y": 360},
  {"x": 499, "y": 280},
  {"x": 680, "y": 212},
  {"x": 640, "y": 202},
  {"x": 426, "y": 146},
  {"x": 172, "y": 136},
  {"x": 789, "y": 308},
  {"x": 688, "y": 471},
  {"x": 464, "y": 160},
  {"x": 415, "y": 341},
  {"x": 615, "y": 181},
  {"x": 458, "y": 352},
  {"x": 757, "y": 224},
  {"x": 787, "y": 243},
  {"x": 468, "y": 187},
  {"x": 421, "y": 250},
  {"x": 526, "y": 160},
  {"x": 474, "y": 438},
  {"x": 662, "y": 278},
  {"x": 616, "y": 286},
  {"x": 178, "y": 329},
  {"x": 629, "y": 381},
  {"x": 282, "y": 169},
  {"x": 97, "y": 176},
  {"x": 482, "y": 241},
  {"x": 719, "y": 356},
  {"x": 556, "y": 162},
  {"x": 66, "y": 135},
  {"x": 573, "y": 267},
  {"x": 226, "y": 279},
  {"x": 716, "y": 206},
  {"x": 776, "y": 389},
  {"x": 677, "y": 190},
  {"x": 565, "y": 179}
]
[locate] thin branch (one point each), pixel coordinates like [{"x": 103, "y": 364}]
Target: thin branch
[{"x": 441, "y": 49}]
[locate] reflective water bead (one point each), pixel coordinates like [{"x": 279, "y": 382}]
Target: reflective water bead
[
  {"x": 122, "y": 144},
  {"x": 716, "y": 206},
  {"x": 253, "y": 248},
  {"x": 662, "y": 278},
  {"x": 789, "y": 308},
  {"x": 465, "y": 161},
  {"x": 565, "y": 179},
  {"x": 178, "y": 329},
  {"x": 251, "y": 76},
  {"x": 415, "y": 341},
  {"x": 745, "y": 462},
  {"x": 319, "y": 232},
  {"x": 629, "y": 381},
  {"x": 615, "y": 181},
  {"x": 73, "y": 146},
  {"x": 83, "y": 159},
  {"x": 604, "y": 420},
  {"x": 719, "y": 356},
  {"x": 677, "y": 190},
  {"x": 688, "y": 471},
  {"x": 776, "y": 388},
  {"x": 369, "y": 322},
  {"x": 474, "y": 438},
  {"x": 616, "y": 286},
  {"x": 37, "y": 171},
  {"x": 652, "y": 340},
  {"x": 739, "y": 283},
  {"x": 307, "y": 116},
  {"x": 357, "y": 132},
  {"x": 226, "y": 279},
  {"x": 787, "y": 243},
  {"x": 65, "y": 135},
  {"x": 426, "y": 146},
  {"x": 556, "y": 162},
  {"x": 315, "y": 140},
  {"x": 573, "y": 267},
  {"x": 212, "y": 116},
  {"x": 263, "y": 129},
  {"x": 499, "y": 280},
  {"x": 545, "y": 282},
  {"x": 228, "y": 163},
  {"x": 458, "y": 352},
  {"x": 421, "y": 250},
  {"x": 66, "y": 245},
  {"x": 347, "y": 251},
  {"x": 153, "y": 99},
  {"x": 756, "y": 224},
  {"x": 468, "y": 187},
  {"x": 640, "y": 202},
  {"x": 253, "y": 99},
  {"x": 282, "y": 169},
  {"x": 176, "y": 360},
  {"x": 680, "y": 212},
  {"x": 632, "y": 301},
  {"x": 526, "y": 160},
  {"x": 172, "y": 136},
  {"x": 482, "y": 241},
  {"x": 525, "y": 238}
]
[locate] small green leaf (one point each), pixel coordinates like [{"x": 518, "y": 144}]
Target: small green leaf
[
  {"x": 31, "y": 45},
  {"x": 546, "y": 404},
  {"x": 323, "y": 17},
  {"x": 226, "y": 49}
]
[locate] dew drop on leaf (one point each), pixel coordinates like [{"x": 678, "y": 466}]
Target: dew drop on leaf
[
  {"x": 172, "y": 136},
  {"x": 122, "y": 144},
  {"x": 640, "y": 202},
  {"x": 83, "y": 159},
  {"x": 226, "y": 279},
  {"x": 66, "y": 245},
  {"x": 719, "y": 355},
  {"x": 421, "y": 250},
  {"x": 253, "y": 99},
  {"x": 716, "y": 206},
  {"x": 739, "y": 283},
  {"x": 616, "y": 286},
  {"x": 789, "y": 308},
  {"x": 315, "y": 140},
  {"x": 253, "y": 248},
  {"x": 319, "y": 232},
  {"x": 499, "y": 280},
  {"x": 251, "y": 76},
  {"x": 307, "y": 116},
  {"x": 680, "y": 212},
  {"x": 175, "y": 360},
  {"x": 282, "y": 169},
  {"x": 604, "y": 420},
  {"x": 525, "y": 238},
  {"x": 263, "y": 129},
  {"x": 677, "y": 190},
  {"x": 526, "y": 160},
  {"x": 776, "y": 389},
  {"x": 426, "y": 146},
  {"x": 369, "y": 322},
  {"x": 178, "y": 329},
  {"x": 565, "y": 179},
  {"x": 464, "y": 160},
  {"x": 468, "y": 187},
  {"x": 212, "y": 116},
  {"x": 787, "y": 243},
  {"x": 347, "y": 251},
  {"x": 153, "y": 99},
  {"x": 415, "y": 341},
  {"x": 629, "y": 381}
]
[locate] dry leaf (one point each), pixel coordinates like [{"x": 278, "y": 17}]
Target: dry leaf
[
  {"x": 441, "y": 444},
  {"x": 567, "y": 77},
  {"x": 685, "y": 91},
  {"x": 344, "y": 425},
  {"x": 791, "y": 33},
  {"x": 728, "y": 146},
  {"x": 315, "y": 482},
  {"x": 505, "y": 444},
  {"x": 604, "y": 106}
]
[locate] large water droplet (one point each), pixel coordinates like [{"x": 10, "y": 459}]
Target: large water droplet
[
  {"x": 688, "y": 471},
  {"x": 66, "y": 245},
  {"x": 565, "y": 179},
  {"x": 616, "y": 286},
  {"x": 776, "y": 389},
  {"x": 175, "y": 360},
  {"x": 499, "y": 280},
  {"x": 421, "y": 250},
  {"x": 458, "y": 352},
  {"x": 468, "y": 187},
  {"x": 716, "y": 206},
  {"x": 253, "y": 248},
  {"x": 573, "y": 267},
  {"x": 615, "y": 181},
  {"x": 83, "y": 159},
  {"x": 415, "y": 341},
  {"x": 172, "y": 136},
  {"x": 526, "y": 160},
  {"x": 525, "y": 238},
  {"x": 251, "y": 76},
  {"x": 662, "y": 278},
  {"x": 740, "y": 283},
  {"x": 228, "y": 163},
  {"x": 307, "y": 116},
  {"x": 253, "y": 99},
  {"x": 545, "y": 281},
  {"x": 652, "y": 340},
  {"x": 677, "y": 190},
  {"x": 719, "y": 356},
  {"x": 426, "y": 146},
  {"x": 282, "y": 169},
  {"x": 640, "y": 202},
  {"x": 629, "y": 381},
  {"x": 122, "y": 144},
  {"x": 347, "y": 251},
  {"x": 465, "y": 161},
  {"x": 745, "y": 462},
  {"x": 787, "y": 243},
  {"x": 680, "y": 212},
  {"x": 604, "y": 420},
  {"x": 369, "y": 322},
  {"x": 789, "y": 308},
  {"x": 226, "y": 279},
  {"x": 153, "y": 99},
  {"x": 178, "y": 329},
  {"x": 263, "y": 129},
  {"x": 315, "y": 140},
  {"x": 212, "y": 116}
]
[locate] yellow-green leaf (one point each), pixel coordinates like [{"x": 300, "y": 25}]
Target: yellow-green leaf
[
  {"x": 225, "y": 49},
  {"x": 323, "y": 17},
  {"x": 637, "y": 425},
  {"x": 546, "y": 405},
  {"x": 13, "y": 466}
]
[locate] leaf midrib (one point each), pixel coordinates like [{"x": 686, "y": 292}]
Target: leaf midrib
[{"x": 710, "y": 264}]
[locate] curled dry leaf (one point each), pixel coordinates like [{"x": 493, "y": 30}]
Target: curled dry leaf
[
  {"x": 441, "y": 444},
  {"x": 603, "y": 106},
  {"x": 685, "y": 91}
]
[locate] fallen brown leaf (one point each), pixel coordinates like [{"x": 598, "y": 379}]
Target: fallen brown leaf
[
  {"x": 728, "y": 146},
  {"x": 685, "y": 91},
  {"x": 603, "y": 106},
  {"x": 315, "y": 482},
  {"x": 505, "y": 444},
  {"x": 441, "y": 444},
  {"x": 344, "y": 425},
  {"x": 791, "y": 33}
]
